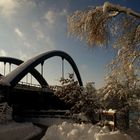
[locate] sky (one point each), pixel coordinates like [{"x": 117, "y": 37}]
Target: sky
[{"x": 30, "y": 27}]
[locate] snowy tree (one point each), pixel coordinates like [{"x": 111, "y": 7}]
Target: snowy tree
[
  {"x": 114, "y": 25},
  {"x": 93, "y": 24},
  {"x": 69, "y": 90},
  {"x": 114, "y": 95},
  {"x": 119, "y": 27}
]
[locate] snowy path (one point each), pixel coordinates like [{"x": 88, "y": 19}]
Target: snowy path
[{"x": 18, "y": 131}]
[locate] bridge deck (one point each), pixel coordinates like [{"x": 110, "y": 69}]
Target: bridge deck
[{"x": 32, "y": 87}]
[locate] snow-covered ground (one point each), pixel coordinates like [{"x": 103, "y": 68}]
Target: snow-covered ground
[
  {"x": 74, "y": 131},
  {"x": 62, "y": 130},
  {"x": 18, "y": 131}
]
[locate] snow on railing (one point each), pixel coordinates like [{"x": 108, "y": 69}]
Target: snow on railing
[{"x": 29, "y": 84}]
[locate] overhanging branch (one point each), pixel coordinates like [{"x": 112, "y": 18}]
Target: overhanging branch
[{"x": 116, "y": 9}]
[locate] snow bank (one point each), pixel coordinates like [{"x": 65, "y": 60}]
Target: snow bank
[
  {"x": 18, "y": 131},
  {"x": 116, "y": 135},
  {"x": 73, "y": 131},
  {"x": 48, "y": 121}
]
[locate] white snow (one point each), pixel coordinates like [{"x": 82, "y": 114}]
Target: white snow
[
  {"x": 81, "y": 116},
  {"x": 63, "y": 131},
  {"x": 74, "y": 131},
  {"x": 48, "y": 121},
  {"x": 111, "y": 111},
  {"x": 116, "y": 135},
  {"x": 18, "y": 131}
]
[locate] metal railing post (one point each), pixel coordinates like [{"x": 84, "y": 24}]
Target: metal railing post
[
  {"x": 62, "y": 67},
  {"x": 9, "y": 67},
  {"x": 4, "y": 68}
]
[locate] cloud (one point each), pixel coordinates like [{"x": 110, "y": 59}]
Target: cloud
[
  {"x": 52, "y": 16},
  {"x": 19, "y": 33},
  {"x": 23, "y": 38},
  {"x": 27, "y": 44},
  {"x": 42, "y": 36},
  {"x": 38, "y": 31},
  {"x": 3, "y": 52},
  {"x": 11, "y": 7},
  {"x": 8, "y": 7},
  {"x": 28, "y": 4}
]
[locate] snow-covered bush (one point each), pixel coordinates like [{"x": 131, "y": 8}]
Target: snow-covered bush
[
  {"x": 75, "y": 131},
  {"x": 81, "y": 99},
  {"x": 69, "y": 90},
  {"x": 87, "y": 100},
  {"x": 120, "y": 97},
  {"x": 114, "y": 96}
]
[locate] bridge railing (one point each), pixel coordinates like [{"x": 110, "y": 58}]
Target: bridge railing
[{"x": 30, "y": 86}]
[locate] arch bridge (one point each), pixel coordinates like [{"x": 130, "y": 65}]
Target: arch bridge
[
  {"x": 24, "y": 68},
  {"x": 24, "y": 97}
]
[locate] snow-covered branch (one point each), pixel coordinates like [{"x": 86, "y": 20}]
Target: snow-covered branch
[{"x": 116, "y": 9}]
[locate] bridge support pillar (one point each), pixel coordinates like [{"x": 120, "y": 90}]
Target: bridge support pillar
[{"x": 42, "y": 63}]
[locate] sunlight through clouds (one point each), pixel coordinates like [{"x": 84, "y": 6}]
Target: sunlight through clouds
[
  {"x": 11, "y": 7},
  {"x": 8, "y": 7}
]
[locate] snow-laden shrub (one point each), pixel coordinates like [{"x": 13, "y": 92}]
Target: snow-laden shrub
[
  {"x": 114, "y": 96},
  {"x": 122, "y": 98},
  {"x": 75, "y": 131},
  {"x": 81, "y": 99}
]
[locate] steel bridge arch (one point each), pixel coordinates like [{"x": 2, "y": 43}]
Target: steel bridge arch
[
  {"x": 16, "y": 75},
  {"x": 33, "y": 72}
]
